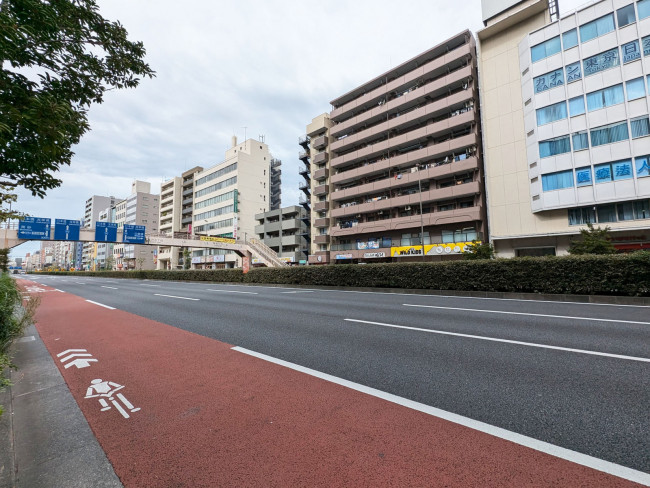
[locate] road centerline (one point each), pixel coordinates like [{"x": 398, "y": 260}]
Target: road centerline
[
  {"x": 593, "y": 319},
  {"x": 506, "y": 341},
  {"x": 174, "y": 296}
]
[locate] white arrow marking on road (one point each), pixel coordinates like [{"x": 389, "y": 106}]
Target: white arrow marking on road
[
  {"x": 80, "y": 363},
  {"x": 69, "y": 351},
  {"x": 83, "y": 358}
]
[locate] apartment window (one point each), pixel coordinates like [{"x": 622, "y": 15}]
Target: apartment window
[
  {"x": 642, "y": 166},
  {"x": 605, "y": 97},
  {"x": 597, "y": 28},
  {"x": 601, "y": 62},
  {"x": 640, "y": 127},
  {"x": 622, "y": 170},
  {"x": 643, "y": 6},
  {"x": 573, "y": 72},
  {"x": 570, "y": 38},
  {"x": 545, "y": 49},
  {"x": 625, "y": 211},
  {"x": 606, "y": 213},
  {"x": 635, "y": 88},
  {"x": 625, "y": 16},
  {"x": 580, "y": 141},
  {"x": 609, "y": 133},
  {"x": 557, "y": 181},
  {"x": 549, "y": 80},
  {"x": 642, "y": 209},
  {"x": 551, "y": 113},
  {"x": 552, "y": 147},
  {"x": 577, "y": 106},
  {"x": 583, "y": 176},
  {"x": 631, "y": 51}
]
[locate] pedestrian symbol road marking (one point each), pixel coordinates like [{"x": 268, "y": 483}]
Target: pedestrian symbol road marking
[
  {"x": 104, "y": 390},
  {"x": 83, "y": 358}
]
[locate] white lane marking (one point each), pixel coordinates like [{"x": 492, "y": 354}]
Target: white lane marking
[
  {"x": 522, "y": 440},
  {"x": 144, "y": 284},
  {"x": 101, "y": 305},
  {"x": 174, "y": 296},
  {"x": 527, "y": 313},
  {"x": 507, "y": 341},
  {"x": 300, "y": 291},
  {"x": 61, "y": 291},
  {"x": 110, "y": 287},
  {"x": 234, "y": 291},
  {"x": 79, "y": 283},
  {"x": 542, "y": 301}
]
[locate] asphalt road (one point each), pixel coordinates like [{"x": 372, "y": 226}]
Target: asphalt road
[{"x": 571, "y": 374}]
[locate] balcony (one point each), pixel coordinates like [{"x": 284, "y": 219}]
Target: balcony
[
  {"x": 321, "y": 174},
  {"x": 303, "y": 170},
  {"x": 186, "y": 220},
  {"x": 187, "y": 211},
  {"x": 321, "y": 158},
  {"x": 303, "y": 185},
  {"x": 321, "y": 239},
  {"x": 187, "y": 192},
  {"x": 320, "y": 142},
  {"x": 320, "y": 190},
  {"x": 321, "y": 206},
  {"x": 303, "y": 155},
  {"x": 322, "y": 222}
]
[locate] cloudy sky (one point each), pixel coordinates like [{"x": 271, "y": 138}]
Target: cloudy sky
[{"x": 250, "y": 67}]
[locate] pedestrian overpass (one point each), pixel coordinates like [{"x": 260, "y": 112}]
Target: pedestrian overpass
[{"x": 244, "y": 248}]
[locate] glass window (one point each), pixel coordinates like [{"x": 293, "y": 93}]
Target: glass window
[
  {"x": 597, "y": 28},
  {"x": 577, "y": 106},
  {"x": 606, "y": 213},
  {"x": 559, "y": 145},
  {"x": 640, "y": 127},
  {"x": 635, "y": 88},
  {"x": 642, "y": 209},
  {"x": 645, "y": 44},
  {"x": 603, "y": 173},
  {"x": 622, "y": 170},
  {"x": 625, "y": 211},
  {"x": 545, "y": 49},
  {"x": 642, "y": 166},
  {"x": 583, "y": 176},
  {"x": 557, "y": 181},
  {"x": 570, "y": 38},
  {"x": 605, "y": 97},
  {"x": 631, "y": 51},
  {"x": 549, "y": 80},
  {"x": 601, "y": 62},
  {"x": 644, "y": 8},
  {"x": 609, "y": 134},
  {"x": 551, "y": 113},
  {"x": 625, "y": 15},
  {"x": 580, "y": 141},
  {"x": 581, "y": 216},
  {"x": 573, "y": 72}
]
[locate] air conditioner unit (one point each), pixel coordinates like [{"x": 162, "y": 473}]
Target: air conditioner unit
[{"x": 407, "y": 208}]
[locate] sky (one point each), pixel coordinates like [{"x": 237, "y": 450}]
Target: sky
[{"x": 249, "y": 68}]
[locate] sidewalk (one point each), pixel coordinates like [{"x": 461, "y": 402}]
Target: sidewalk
[{"x": 45, "y": 441}]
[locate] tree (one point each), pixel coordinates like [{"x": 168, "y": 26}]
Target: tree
[
  {"x": 58, "y": 57},
  {"x": 187, "y": 262},
  {"x": 140, "y": 262},
  {"x": 109, "y": 262},
  {"x": 478, "y": 250},
  {"x": 594, "y": 241}
]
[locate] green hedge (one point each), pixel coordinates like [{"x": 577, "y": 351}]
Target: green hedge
[{"x": 624, "y": 274}]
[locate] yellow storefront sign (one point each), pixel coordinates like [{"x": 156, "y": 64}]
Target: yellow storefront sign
[
  {"x": 218, "y": 239},
  {"x": 430, "y": 249}
]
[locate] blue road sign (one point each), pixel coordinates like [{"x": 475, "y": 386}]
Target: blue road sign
[
  {"x": 133, "y": 234},
  {"x": 66, "y": 230},
  {"x": 34, "y": 228},
  {"x": 105, "y": 232}
]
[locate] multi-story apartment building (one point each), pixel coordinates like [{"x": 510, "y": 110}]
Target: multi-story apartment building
[
  {"x": 396, "y": 169},
  {"x": 285, "y": 231},
  {"x": 140, "y": 208},
  {"x": 574, "y": 101},
  {"x": 228, "y": 196},
  {"x": 94, "y": 205},
  {"x": 176, "y": 207},
  {"x": 275, "y": 182},
  {"x": 63, "y": 254}
]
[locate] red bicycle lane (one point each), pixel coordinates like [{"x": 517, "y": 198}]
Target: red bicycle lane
[{"x": 212, "y": 416}]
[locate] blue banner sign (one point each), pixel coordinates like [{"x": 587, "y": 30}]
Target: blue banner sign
[
  {"x": 105, "y": 232},
  {"x": 133, "y": 234},
  {"x": 34, "y": 228},
  {"x": 66, "y": 230}
]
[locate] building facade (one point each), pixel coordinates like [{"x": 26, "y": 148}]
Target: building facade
[
  {"x": 285, "y": 231},
  {"x": 94, "y": 205},
  {"x": 275, "y": 182},
  {"x": 567, "y": 131},
  {"x": 176, "y": 207},
  {"x": 396, "y": 166},
  {"x": 227, "y": 197}
]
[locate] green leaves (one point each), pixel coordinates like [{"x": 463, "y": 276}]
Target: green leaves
[
  {"x": 594, "y": 241},
  {"x": 59, "y": 57}
]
